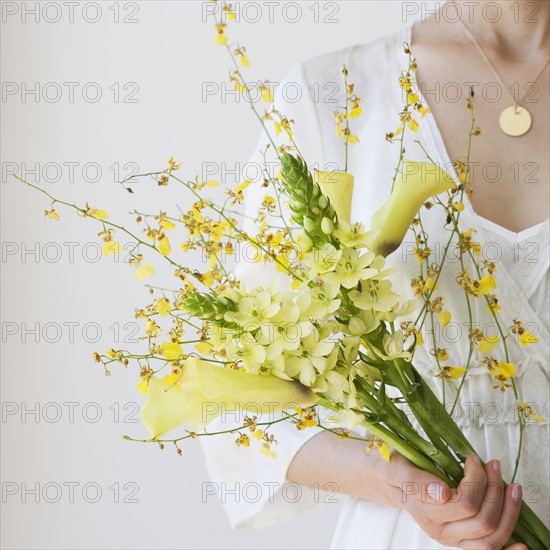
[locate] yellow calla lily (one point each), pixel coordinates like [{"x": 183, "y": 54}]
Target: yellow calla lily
[
  {"x": 338, "y": 187},
  {"x": 417, "y": 182},
  {"x": 204, "y": 391}
]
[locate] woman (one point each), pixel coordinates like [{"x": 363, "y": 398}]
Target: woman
[{"x": 509, "y": 211}]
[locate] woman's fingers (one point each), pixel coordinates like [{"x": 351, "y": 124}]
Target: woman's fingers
[
  {"x": 479, "y": 514},
  {"x": 467, "y": 498},
  {"x": 487, "y": 520},
  {"x": 508, "y": 519},
  {"x": 446, "y": 505}
]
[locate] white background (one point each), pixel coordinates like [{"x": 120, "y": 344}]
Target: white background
[{"x": 169, "y": 54}]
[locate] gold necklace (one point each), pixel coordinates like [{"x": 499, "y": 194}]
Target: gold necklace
[{"x": 515, "y": 120}]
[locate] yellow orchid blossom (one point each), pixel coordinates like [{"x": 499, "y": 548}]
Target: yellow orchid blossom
[
  {"x": 456, "y": 372},
  {"x": 242, "y": 186},
  {"x": 163, "y": 307},
  {"x": 444, "y": 317},
  {"x": 338, "y": 187},
  {"x": 528, "y": 412},
  {"x": 267, "y": 94},
  {"x": 144, "y": 271},
  {"x": 417, "y": 182},
  {"x": 171, "y": 350},
  {"x": 167, "y": 224},
  {"x": 204, "y": 390},
  {"x": 164, "y": 245},
  {"x": 204, "y": 347},
  {"x": 96, "y": 213},
  {"x": 527, "y": 338},
  {"x": 382, "y": 447},
  {"x": 111, "y": 247},
  {"x": 51, "y": 214},
  {"x": 487, "y": 343},
  {"x": 485, "y": 285},
  {"x": 506, "y": 370},
  {"x": 143, "y": 386}
]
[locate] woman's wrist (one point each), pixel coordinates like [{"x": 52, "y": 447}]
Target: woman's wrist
[{"x": 345, "y": 464}]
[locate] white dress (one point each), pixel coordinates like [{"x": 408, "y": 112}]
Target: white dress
[{"x": 487, "y": 416}]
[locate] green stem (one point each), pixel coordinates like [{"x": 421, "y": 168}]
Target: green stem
[
  {"x": 530, "y": 527},
  {"x": 428, "y": 417},
  {"x": 407, "y": 450},
  {"x": 389, "y": 414},
  {"x": 530, "y": 519},
  {"x": 401, "y": 445}
]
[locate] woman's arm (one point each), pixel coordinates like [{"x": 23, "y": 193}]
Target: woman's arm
[{"x": 479, "y": 514}]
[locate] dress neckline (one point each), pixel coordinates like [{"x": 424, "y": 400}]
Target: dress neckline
[
  {"x": 541, "y": 228},
  {"x": 449, "y": 166}
]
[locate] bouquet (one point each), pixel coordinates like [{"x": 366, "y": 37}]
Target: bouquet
[{"x": 337, "y": 335}]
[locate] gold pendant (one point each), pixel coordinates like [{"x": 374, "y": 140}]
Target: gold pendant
[{"x": 515, "y": 121}]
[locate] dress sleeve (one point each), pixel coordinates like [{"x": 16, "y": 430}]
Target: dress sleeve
[{"x": 252, "y": 486}]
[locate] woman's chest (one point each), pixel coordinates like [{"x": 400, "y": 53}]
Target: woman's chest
[{"x": 509, "y": 176}]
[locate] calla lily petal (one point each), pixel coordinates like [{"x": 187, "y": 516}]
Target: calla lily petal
[
  {"x": 164, "y": 409},
  {"x": 417, "y": 182},
  {"x": 338, "y": 187},
  {"x": 204, "y": 391}
]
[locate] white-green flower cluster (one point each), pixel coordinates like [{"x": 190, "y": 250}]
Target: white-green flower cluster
[{"x": 314, "y": 333}]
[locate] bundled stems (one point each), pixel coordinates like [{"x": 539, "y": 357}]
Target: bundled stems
[{"x": 445, "y": 439}]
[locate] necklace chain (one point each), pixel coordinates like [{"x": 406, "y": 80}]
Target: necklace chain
[{"x": 486, "y": 59}]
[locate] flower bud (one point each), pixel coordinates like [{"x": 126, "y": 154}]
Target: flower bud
[
  {"x": 327, "y": 227},
  {"x": 309, "y": 225}
]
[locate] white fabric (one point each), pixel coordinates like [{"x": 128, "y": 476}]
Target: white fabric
[
  {"x": 526, "y": 256},
  {"x": 486, "y": 415}
]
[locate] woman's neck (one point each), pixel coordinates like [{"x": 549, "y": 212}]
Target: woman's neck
[{"x": 515, "y": 27}]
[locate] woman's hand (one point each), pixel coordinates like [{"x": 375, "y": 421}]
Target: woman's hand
[{"x": 479, "y": 514}]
